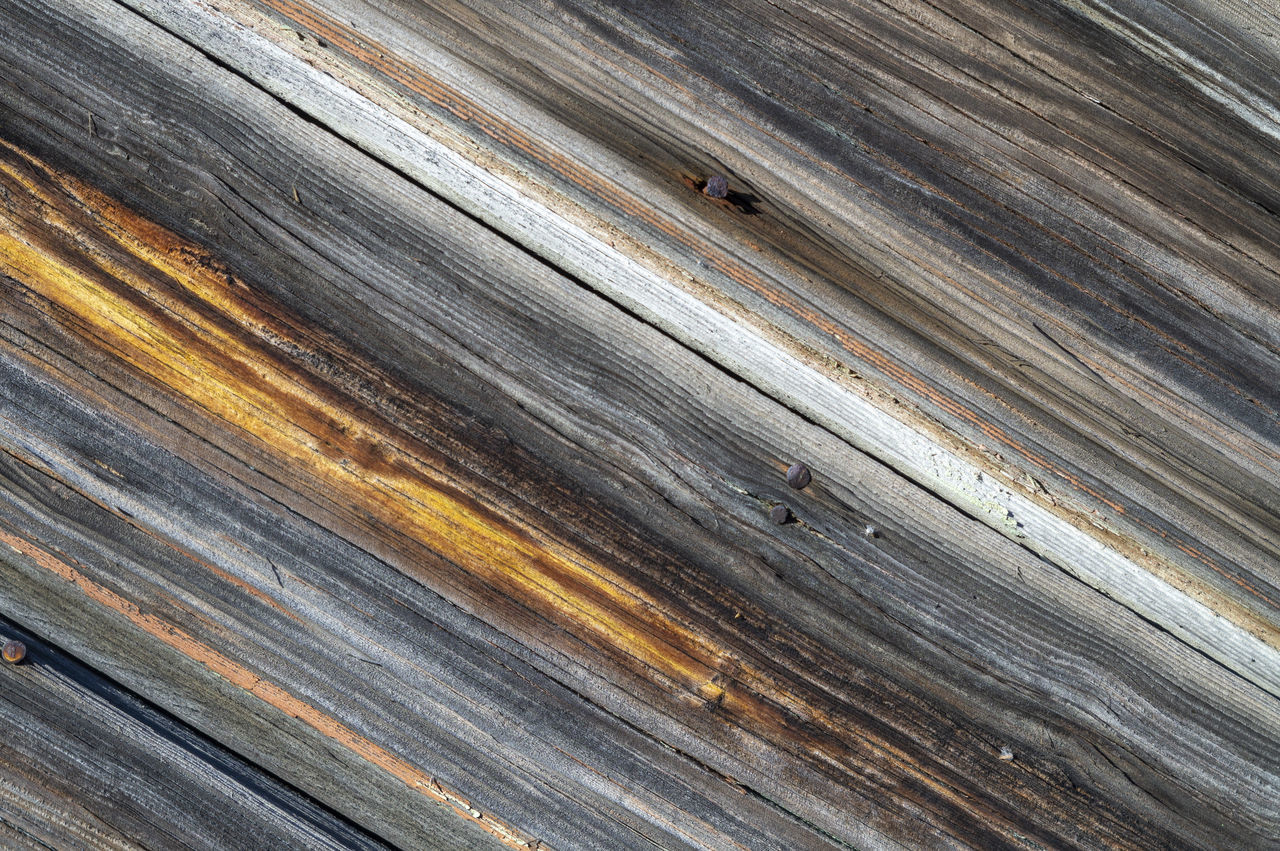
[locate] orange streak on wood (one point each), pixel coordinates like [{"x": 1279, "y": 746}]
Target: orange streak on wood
[
  {"x": 265, "y": 690},
  {"x": 178, "y": 321},
  {"x": 162, "y": 306}
]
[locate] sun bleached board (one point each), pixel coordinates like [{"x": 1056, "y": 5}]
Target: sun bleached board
[
  {"x": 1020, "y": 429},
  {"x": 403, "y": 423}
]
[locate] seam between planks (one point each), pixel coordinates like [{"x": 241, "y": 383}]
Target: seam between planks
[{"x": 781, "y": 371}]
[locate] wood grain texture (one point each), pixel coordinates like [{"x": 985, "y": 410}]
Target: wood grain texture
[
  {"x": 798, "y": 311},
  {"x": 88, "y": 765},
  {"x": 383, "y": 465}
]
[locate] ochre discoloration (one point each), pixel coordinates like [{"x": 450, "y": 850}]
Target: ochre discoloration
[
  {"x": 178, "y": 322},
  {"x": 167, "y": 310}
]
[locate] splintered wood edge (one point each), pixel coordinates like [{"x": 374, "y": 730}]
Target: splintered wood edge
[{"x": 1082, "y": 544}]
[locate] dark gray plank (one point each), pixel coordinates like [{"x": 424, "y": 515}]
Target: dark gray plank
[
  {"x": 971, "y": 209},
  {"x": 694, "y": 675},
  {"x": 85, "y": 764}
]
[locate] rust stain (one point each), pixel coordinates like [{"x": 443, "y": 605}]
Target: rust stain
[
  {"x": 265, "y": 690},
  {"x": 167, "y": 310},
  {"x": 384, "y": 60},
  {"x": 177, "y": 322}
]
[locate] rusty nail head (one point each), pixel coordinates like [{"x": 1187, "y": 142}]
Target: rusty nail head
[
  {"x": 780, "y": 514},
  {"x": 15, "y": 652},
  {"x": 717, "y": 187},
  {"x": 798, "y": 476}
]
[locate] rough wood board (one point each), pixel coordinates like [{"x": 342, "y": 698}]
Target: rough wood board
[
  {"x": 382, "y": 501},
  {"x": 1013, "y": 466},
  {"x": 84, "y": 764}
]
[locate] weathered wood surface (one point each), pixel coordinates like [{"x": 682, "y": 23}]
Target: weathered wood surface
[
  {"x": 84, "y": 764},
  {"x": 1031, "y": 355},
  {"x": 381, "y": 399}
]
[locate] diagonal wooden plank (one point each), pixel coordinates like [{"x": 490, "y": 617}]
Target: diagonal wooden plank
[
  {"x": 296, "y": 420},
  {"x": 1056, "y": 479},
  {"x": 85, "y": 764}
]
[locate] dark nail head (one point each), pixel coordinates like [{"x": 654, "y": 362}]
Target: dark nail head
[
  {"x": 780, "y": 514},
  {"x": 798, "y": 476},
  {"x": 717, "y": 187},
  {"x": 15, "y": 652}
]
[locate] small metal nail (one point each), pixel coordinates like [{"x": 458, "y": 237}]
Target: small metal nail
[
  {"x": 780, "y": 514},
  {"x": 717, "y": 187},
  {"x": 15, "y": 652},
  {"x": 870, "y": 532},
  {"x": 798, "y": 476},
  {"x": 1006, "y": 754}
]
